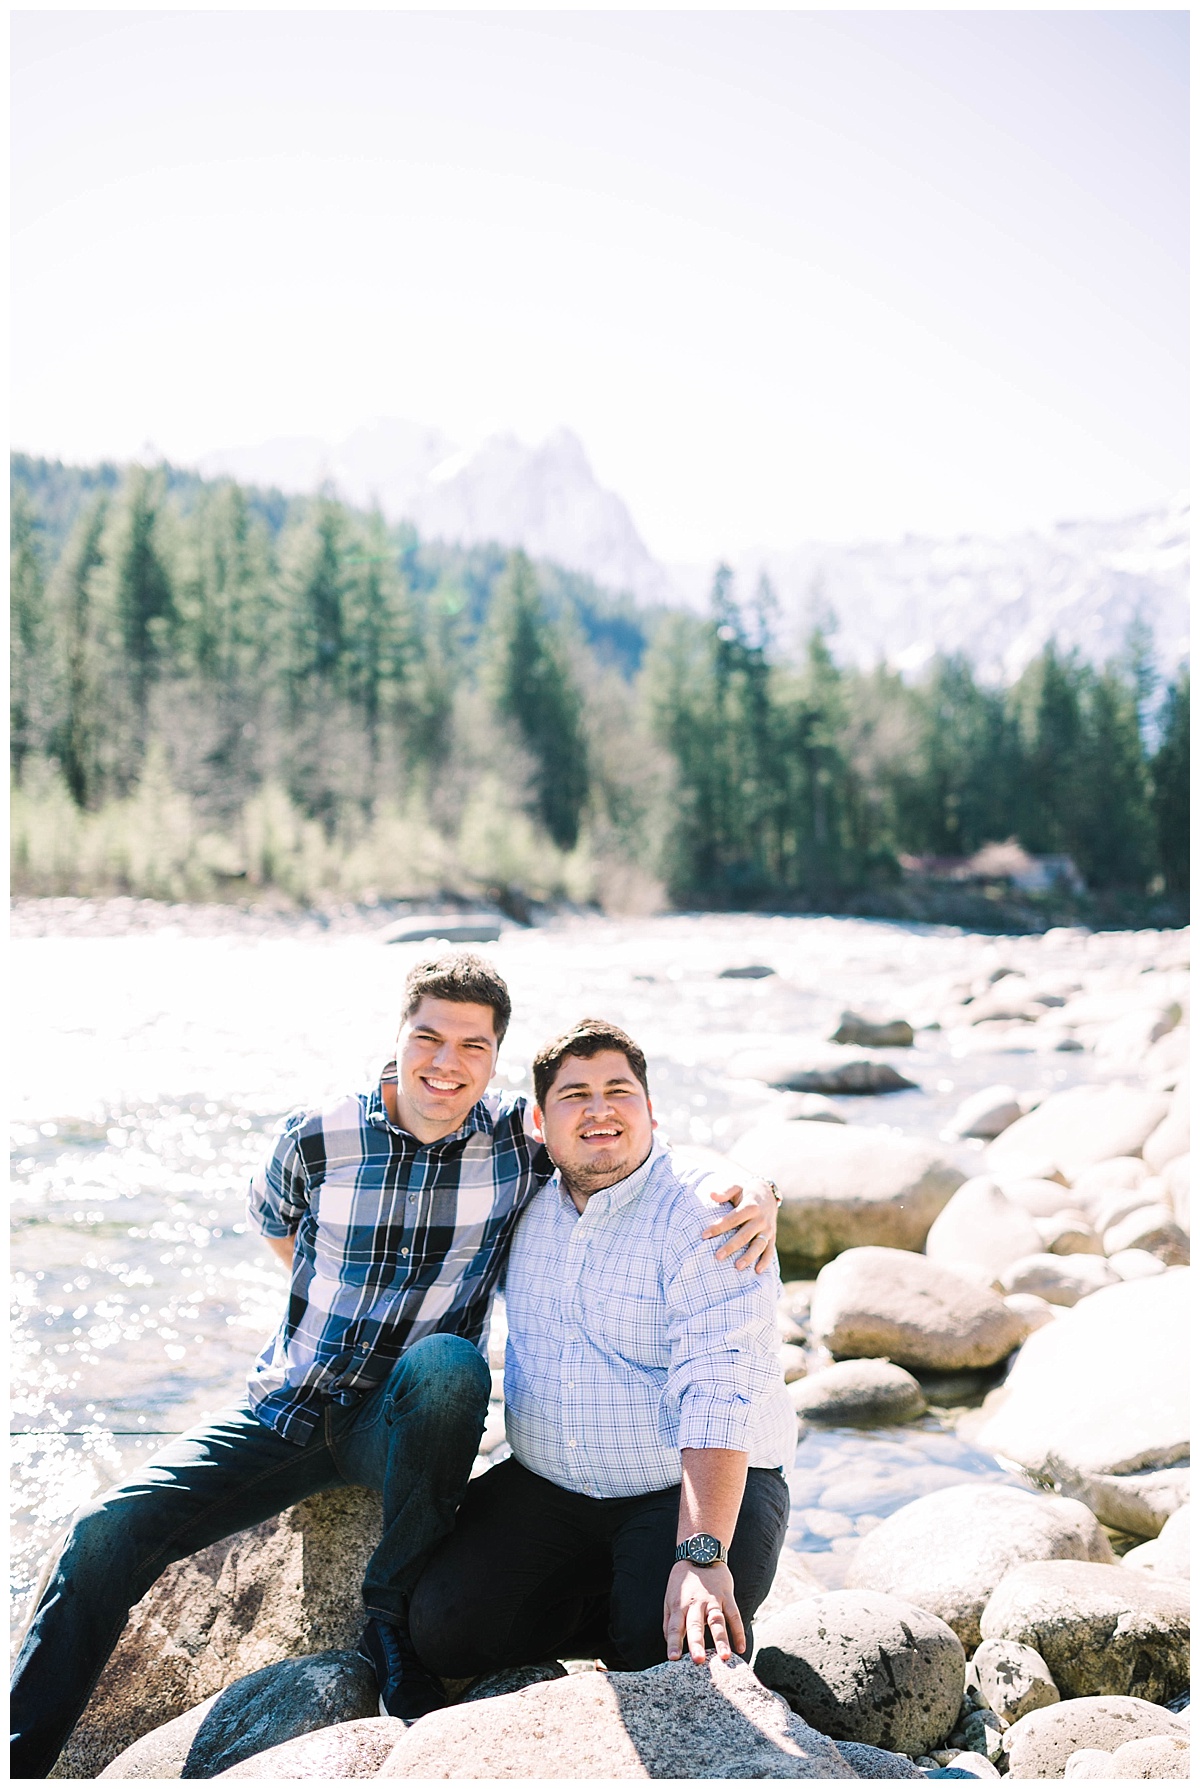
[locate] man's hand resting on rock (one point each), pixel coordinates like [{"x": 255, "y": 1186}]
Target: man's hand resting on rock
[
  {"x": 700, "y": 1599},
  {"x": 750, "y": 1224}
]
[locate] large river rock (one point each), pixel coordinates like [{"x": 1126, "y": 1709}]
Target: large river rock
[
  {"x": 678, "y": 1720},
  {"x": 844, "y": 1186},
  {"x": 1072, "y": 1130},
  {"x": 863, "y": 1666},
  {"x": 1102, "y": 1630},
  {"x": 283, "y": 1590},
  {"x": 949, "y": 1550},
  {"x": 1102, "y": 1390},
  {"x": 874, "y": 1302}
]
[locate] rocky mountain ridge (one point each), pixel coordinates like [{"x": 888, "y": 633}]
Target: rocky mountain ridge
[{"x": 1081, "y": 584}]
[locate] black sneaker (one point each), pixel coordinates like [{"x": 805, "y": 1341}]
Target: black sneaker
[{"x": 406, "y": 1689}]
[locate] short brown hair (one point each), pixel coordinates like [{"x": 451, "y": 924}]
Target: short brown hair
[
  {"x": 589, "y": 1038},
  {"x": 458, "y": 975}
]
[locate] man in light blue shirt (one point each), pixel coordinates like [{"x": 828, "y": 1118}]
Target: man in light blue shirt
[{"x": 645, "y": 1503}]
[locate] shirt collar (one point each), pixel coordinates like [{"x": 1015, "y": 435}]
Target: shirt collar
[
  {"x": 621, "y": 1192},
  {"x": 477, "y": 1119}
]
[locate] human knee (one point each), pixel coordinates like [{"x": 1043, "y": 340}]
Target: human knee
[
  {"x": 100, "y": 1539},
  {"x": 637, "y": 1637},
  {"x": 444, "y": 1370},
  {"x": 446, "y": 1635}
]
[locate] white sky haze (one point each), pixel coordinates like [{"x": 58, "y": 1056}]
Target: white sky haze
[{"x": 788, "y": 275}]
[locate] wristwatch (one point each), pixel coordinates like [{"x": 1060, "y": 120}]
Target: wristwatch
[{"x": 702, "y": 1549}]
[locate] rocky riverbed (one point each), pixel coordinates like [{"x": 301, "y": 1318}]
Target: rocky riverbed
[{"x": 983, "y": 1149}]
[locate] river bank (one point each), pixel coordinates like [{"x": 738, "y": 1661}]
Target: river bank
[{"x": 160, "y": 1045}]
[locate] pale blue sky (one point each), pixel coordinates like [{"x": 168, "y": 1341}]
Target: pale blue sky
[{"x": 788, "y": 275}]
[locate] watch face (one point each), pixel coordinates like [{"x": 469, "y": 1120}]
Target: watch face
[{"x": 703, "y": 1549}]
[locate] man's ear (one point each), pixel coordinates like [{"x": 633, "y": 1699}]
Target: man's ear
[
  {"x": 538, "y": 1129},
  {"x": 650, "y": 1109}
]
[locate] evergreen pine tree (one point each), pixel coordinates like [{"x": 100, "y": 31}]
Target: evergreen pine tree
[
  {"x": 534, "y": 687},
  {"x": 85, "y": 715},
  {"x": 1171, "y": 780},
  {"x": 30, "y": 676}
]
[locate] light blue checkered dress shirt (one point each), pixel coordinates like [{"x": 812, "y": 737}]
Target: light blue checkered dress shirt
[{"x": 628, "y": 1340}]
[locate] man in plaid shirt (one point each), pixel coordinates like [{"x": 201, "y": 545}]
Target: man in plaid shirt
[{"x": 393, "y": 1210}]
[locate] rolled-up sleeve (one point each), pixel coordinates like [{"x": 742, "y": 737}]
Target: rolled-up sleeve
[
  {"x": 723, "y": 1342},
  {"x": 278, "y": 1196}
]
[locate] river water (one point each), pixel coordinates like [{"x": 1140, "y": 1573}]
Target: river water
[{"x": 152, "y": 1064}]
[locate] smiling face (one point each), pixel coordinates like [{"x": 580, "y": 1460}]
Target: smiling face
[
  {"x": 597, "y": 1122},
  {"x": 445, "y": 1056}
]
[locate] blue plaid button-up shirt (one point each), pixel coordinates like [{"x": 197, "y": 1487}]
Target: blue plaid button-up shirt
[
  {"x": 395, "y": 1240},
  {"x": 628, "y": 1340}
]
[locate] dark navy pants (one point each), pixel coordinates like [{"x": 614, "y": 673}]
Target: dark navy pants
[{"x": 414, "y": 1440}]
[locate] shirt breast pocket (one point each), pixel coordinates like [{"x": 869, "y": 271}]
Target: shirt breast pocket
[
  {"x": 353, "y": 1229},
  {"x": 631, "y": 1325}
]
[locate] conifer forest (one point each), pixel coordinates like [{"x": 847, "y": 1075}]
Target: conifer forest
[{"x": 220, "y": 692}]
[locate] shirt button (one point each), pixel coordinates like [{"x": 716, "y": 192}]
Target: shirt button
[
  {"x": 404, "y": 1251},
  {"x": 571, "y": 1441}
]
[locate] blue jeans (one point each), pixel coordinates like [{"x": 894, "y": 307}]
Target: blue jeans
[{"x": 413, "y": 1439}]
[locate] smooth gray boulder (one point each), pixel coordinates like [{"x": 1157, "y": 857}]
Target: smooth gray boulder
[
  {"x": 962, "y": 1764},
  {"x": 455, "y": 928},
  {"x": 863, "y": 1666},
  {"x": 1177, "y": 1178},
  {"x": 877, "y": 1301},
  {"x": 1152, "y": 1228},
  {"x": 512, "y": 1679},
  {"x": 1127, "y": 1041},
  {"x": 677, "y": 1720},
  {"x": 1118, "y": 1174},
  {"x": 980, "y": 1227},
  {"x": 1166, "y": 1062},
  {"x": 1039, "y": 1744},
  {"x": 982, "y": 1732},
  {"x": 1134, "y": 1502},
  {"x": 1136, "y": 1264},
  {"x": 1098, "y": 1391},
  {"x": 1076, "y": 1129},
  {"x": 986, "y": 1113},
  {"x": 873, "y": 1033},
  {"x": 1102, "y": 1630},
  {"x": 859, "y": 1393},
  {"x": 1036, "y": 1311},
  {"x": 1040, "y": 1198},
  {"x": 1109, "y": 1208},
  {"x": 161, "y": 1753},
  {"x": 1068, "y": 1232},
  {"x": 351, "y": 1749},
  {"x": 285, "y": 1589},
  {"x": 870, "y": 1761},
  {"x": 819, "y": 1068},
  {"x": 1136, "y": 1761},
  {"x": 261, "y": 1711},
  {"x": 1059, "y": 1279},
  {"x": 1011, "y": 1679},
  {"x": 847, "y": 1185},
  {"x": 818, "y": 1108},
  {"x": 1170, "y": 1555},
  {"x": 947, "y": 1551},
  {"x": 1172, "y": 1137}
]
